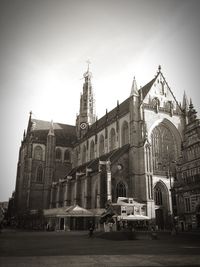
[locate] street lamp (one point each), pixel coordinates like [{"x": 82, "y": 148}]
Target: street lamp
[
  {"x": 169, "y": 176},
  {"x": 171, "y": 190}
]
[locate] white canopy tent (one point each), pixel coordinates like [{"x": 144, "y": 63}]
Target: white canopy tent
[{"x": 133, "y": 218}]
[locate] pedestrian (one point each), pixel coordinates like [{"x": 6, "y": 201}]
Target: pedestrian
[{"x": 91, "y": 230}]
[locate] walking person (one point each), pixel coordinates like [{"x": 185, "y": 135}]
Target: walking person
[{"x": 91, "y": 229}]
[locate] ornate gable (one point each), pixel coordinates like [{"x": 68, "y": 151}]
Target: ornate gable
[{"x": 158, "y": 96}]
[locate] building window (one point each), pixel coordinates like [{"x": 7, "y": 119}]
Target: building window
[
  {"x": 120, "y": 190},
  {"x": 58, "y": 154},
  {"x": 158, "y": 196},
  {"x": 67, "y": 155},
  {"x": 84, "y": 154},
  {"x": 125, "y": 133},
  {"x": 92, "y": 150},
  {"x": 150, "y": 186},
  {"x": 164, "y": 149},
  {"x": 187, "y": 204},
  {"x": 39, "y": 174},
  {"x": 112, "y": 139},
  {"x": 38, "y": 153},
  {"x": 101, "y": 145},
  {"x": 156, "y": 102}
]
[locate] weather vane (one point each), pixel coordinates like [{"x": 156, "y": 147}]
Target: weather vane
[{"x": 88, "y": 62}]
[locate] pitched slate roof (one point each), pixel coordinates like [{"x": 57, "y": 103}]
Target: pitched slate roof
[
  {"x": 119, "y": 111},
  {"x": 94, "y": 164},
  {"x": 146, "y": 88},
  {"x": 108, "y": 118},
  {"x": 65, "y": 134}
]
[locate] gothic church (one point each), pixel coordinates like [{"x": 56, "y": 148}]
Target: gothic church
[{"x": 129, "y": 152}]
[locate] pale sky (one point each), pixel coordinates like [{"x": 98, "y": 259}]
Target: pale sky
[{"x": 44, "y": 46}]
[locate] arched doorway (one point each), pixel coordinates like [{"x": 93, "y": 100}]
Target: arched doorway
[{"x": 161, "y": 198}]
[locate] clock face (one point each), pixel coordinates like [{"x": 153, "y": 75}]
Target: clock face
[
  {"x": 83, "y": 125},
  {"x": 119, "y": 166}
]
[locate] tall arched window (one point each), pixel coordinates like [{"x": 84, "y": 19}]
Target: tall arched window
[
  {"x": 164, "y": 148},
  {"x": 112, "y": 139},
  {"x": 101, "y": 145},
  {"x": 38, "y": 153},
  {"x": 158, "y": 196},
  {"x": 92, "y": 150},
  {"x": 125, "y": 133},
  {"x": 58, "y": 154},
  {"x": 120, "y": 190},
  {"x": 67, "y": 156},
  {"x": 84, "y": 154},
  {"x": 39, "y": 174}
]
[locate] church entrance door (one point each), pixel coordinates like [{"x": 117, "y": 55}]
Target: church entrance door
[
  {"x": 62, "y": 222},
  {"x": 160, "y": 218}
]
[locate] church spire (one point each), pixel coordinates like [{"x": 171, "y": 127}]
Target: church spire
[
  {"x": 185, "y": 103},
  {"x": 87, "y": 75},
  {"x": 86, "y": 115},
  {"x": 30, "y": 123},
  {"x": 51, "y": 130},
  {"x": 134, "y": 88},
  {"x": 88, "y": 62}
]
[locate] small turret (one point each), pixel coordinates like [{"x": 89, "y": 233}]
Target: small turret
[
  {"x": 191, "y": 113},
  {"x": 134, "y": 88},
  {"x": 29, "y": 123},
  {"x": 50, "y": 145},
  {"x": 51, "y": 130},
  {"x": 185, "y": 103}
]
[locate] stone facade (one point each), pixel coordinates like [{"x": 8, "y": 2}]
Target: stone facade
[{"x": 130, "y": 152}]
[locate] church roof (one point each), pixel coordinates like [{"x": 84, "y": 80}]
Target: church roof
[
  {"x": 65, "y": 134},
  {"x": 119, "y": 111},
  {"x": 94, "y": 164},
  {"x": 146, "y": 88}
]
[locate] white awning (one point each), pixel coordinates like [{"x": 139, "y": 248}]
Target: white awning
[
  {"x": 76, "y": 210},
  {"x": 133, "y": 218}
]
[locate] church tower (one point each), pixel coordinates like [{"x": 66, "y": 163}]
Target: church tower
[{"x": 86, "y": 115}]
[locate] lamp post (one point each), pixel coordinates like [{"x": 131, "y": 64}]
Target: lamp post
[
  {"x": 169, "y": 176},
  {"x": 170, "y": 189}
]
